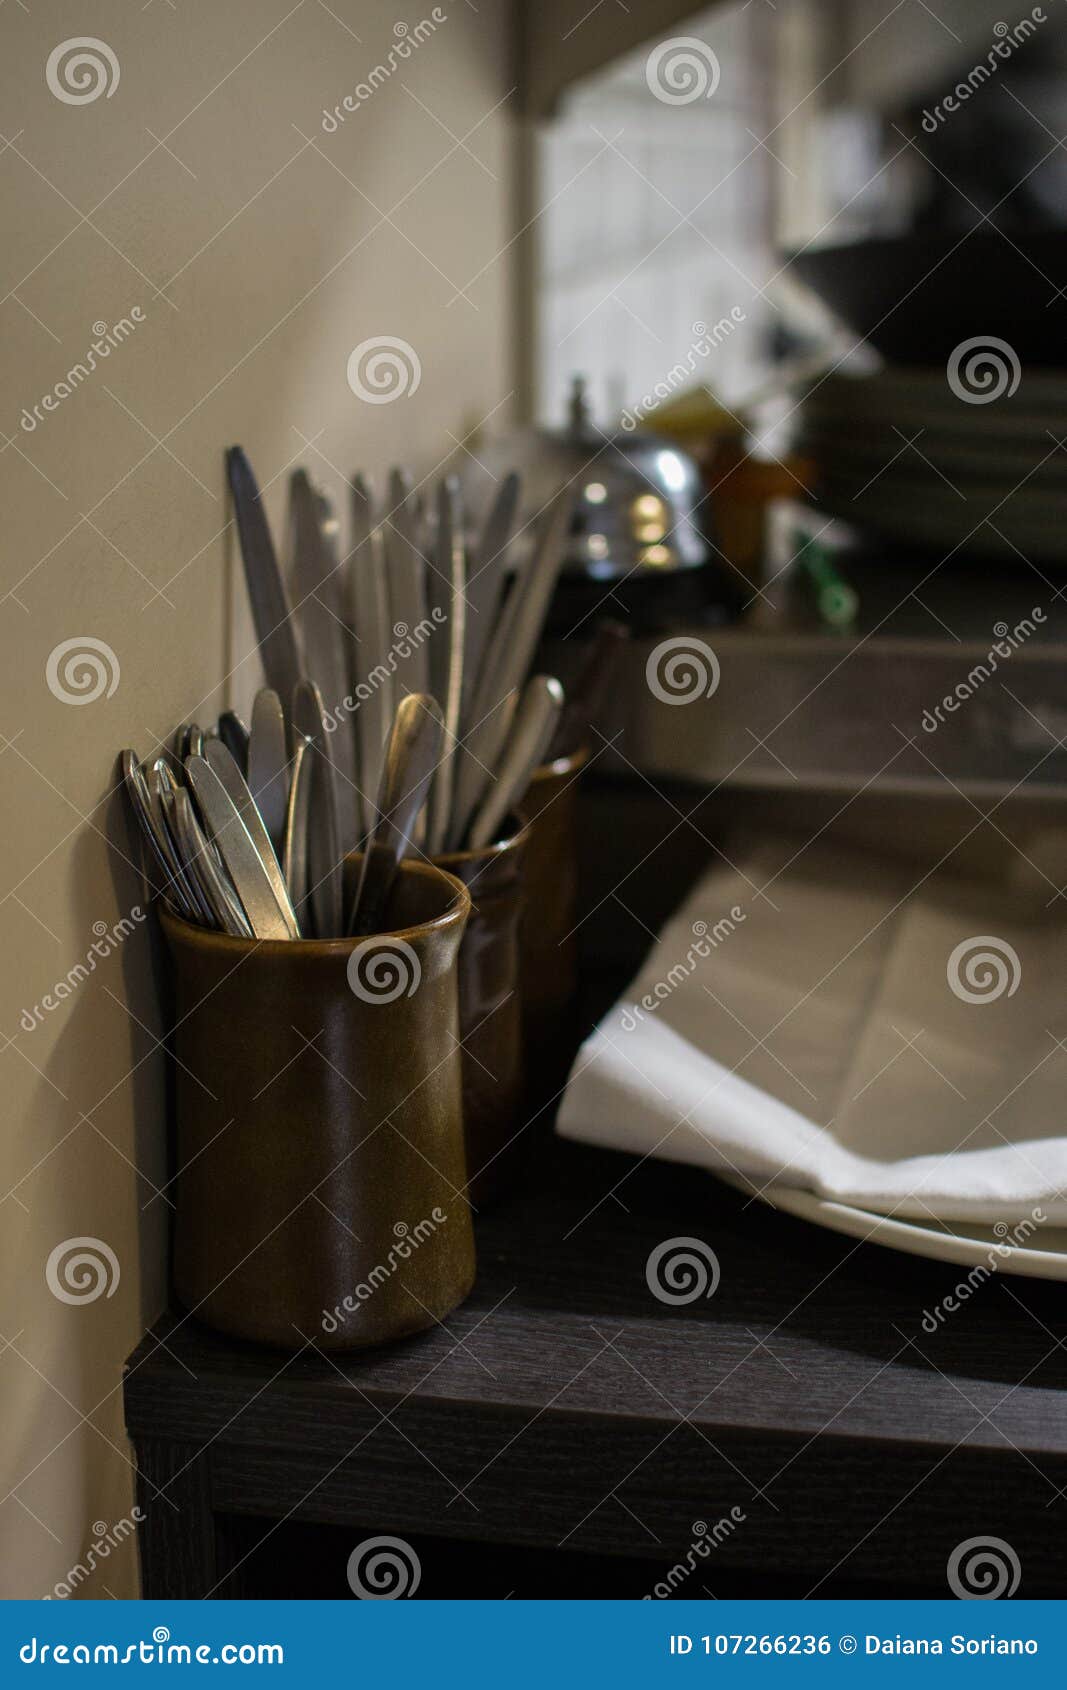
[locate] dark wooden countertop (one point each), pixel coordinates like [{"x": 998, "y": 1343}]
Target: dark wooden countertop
[{"x": 565, "y": 1405}]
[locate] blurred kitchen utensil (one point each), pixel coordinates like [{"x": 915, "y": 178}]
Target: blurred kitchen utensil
[
  {"x": 475, "y": 758},
  {"x": 587, "y": 694},
  {"x": 317, "y": 586},
  {"x": 451, "y": 577},
  {"x": 485, "y": 582},
  {"x": 406, "y": 576},
  {"x": 367, "y": 610},
  {"x": 410, "y": 759},
  {"x": 637, "y": 511},
  {"x": 535, "y": 723},
  {"x": 523, "y": 614}
]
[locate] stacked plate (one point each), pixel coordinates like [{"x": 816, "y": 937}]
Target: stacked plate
[{"x": 967, "y": 457}]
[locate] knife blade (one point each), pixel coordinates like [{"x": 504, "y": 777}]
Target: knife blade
[
  {"x": 235, "y": 786},
  {"x": 271, "y": 611},
  {"x": 370, "y": 675},
  {"x": 225, "y": 824},
  {"x": 325, "y": 855}
]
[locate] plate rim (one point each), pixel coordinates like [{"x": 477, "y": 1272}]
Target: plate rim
[{"x": 911, "y": 1236}]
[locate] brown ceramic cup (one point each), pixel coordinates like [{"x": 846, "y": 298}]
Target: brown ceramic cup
[
  {"x": 321, "y": 1186},
  {"x": 490, "y": 1006},
  {"x": 548, "y": 946}
]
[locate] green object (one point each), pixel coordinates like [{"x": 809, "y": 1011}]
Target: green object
[{"x": 836, "y": 602}]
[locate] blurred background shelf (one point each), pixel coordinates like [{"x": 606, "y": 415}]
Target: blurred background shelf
[{"x": 798, "y": 706}]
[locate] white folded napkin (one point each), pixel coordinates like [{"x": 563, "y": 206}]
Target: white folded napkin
[{"x": 876, "y": 1042}]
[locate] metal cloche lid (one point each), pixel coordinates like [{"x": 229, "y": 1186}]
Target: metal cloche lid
[{"x": 637, "y": 494}]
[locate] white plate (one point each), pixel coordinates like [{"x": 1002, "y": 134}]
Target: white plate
[{"x": 967, "y": 1242}]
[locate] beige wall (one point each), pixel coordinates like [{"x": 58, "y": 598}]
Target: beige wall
[{"x": 259, "y": 257}]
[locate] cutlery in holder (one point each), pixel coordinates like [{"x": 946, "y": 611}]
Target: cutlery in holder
[
  {"x": 490, "y": 1006},
  {"x": 548, "y": 943},
  {"x": 321, "y": 1187}
]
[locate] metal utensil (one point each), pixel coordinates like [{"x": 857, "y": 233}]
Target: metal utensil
[
  {"x": 235, "y": 786},
  {"x": 225, "y": 824},
  {"x": 157, "y": 867},
  {"x": 476, "y": 758},
  {"x": 641, "y": 496},
  {"x": 325, "y": 853},
  {"x": 295, "y": 853},
  {"x": 485, "y": 583},
  {"x": 315, "y": 577},
  {"x": 535, "y": 723},
  {"x": 450, "y": 576},
  {"x": 194, "y": 740},
  {"x": 159, "y": 781},
  {"x": 410, "y": 759},
  {"x": 346, "y": 739},
  {"x": 368, "y": 615},
  {"x": 201, "y": 861},
  {"x": 189, "y": 869},
  {"x": 268, "y": 764},
  {"x": 523, "y": 613},
  {"x": 406, "y": 575},
  {"x": 266, "y": 589},
  {"x": 587, "y": 694},
  {"x": 234, "y": 736}
]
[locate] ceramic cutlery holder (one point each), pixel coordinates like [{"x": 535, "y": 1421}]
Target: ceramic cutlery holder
[
  {"x": 320, "y": 1154},
  {"x": 548, "y": 944},
  {"x": 490, "y": 1006}
]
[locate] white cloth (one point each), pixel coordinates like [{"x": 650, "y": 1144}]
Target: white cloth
[{"x": 818, "y": 1042}]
